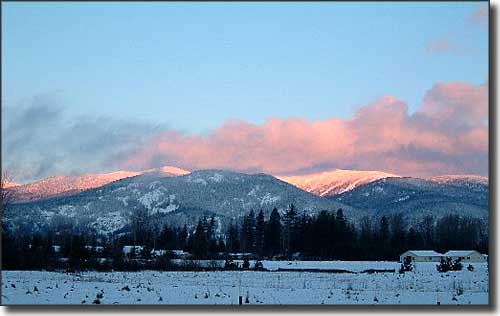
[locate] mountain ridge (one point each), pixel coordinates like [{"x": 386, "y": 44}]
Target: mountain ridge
[
  {"x": 64, "y": 185},
  {"x": 177, "y": 200},
  {"x": 415, "y": 197},
  {"x": 329, "y": 183}
]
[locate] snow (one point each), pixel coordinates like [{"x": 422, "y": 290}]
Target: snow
[
  {"x": 67, "y": 210},
  {"x": 422, "y": 286},
  {"x": 459, "y": 253},
  {"x": 378, "y": 189},
  {"x": 254, "y": 190},
  {"x": 109, "y": 222},
  {"x": 124, "y": 200},
  {"x": 425, "y": 253},
  {"x": 8, "y": 184},
  {"x": 404, "y": 198},
  {"x": 462, "y": 177},
  {"x": 174, "y": 170},
  {"x": 336, "y": 181},
  {"x": 70, "y": 184},
  {"x": 170, "y": 208},
  {"x": 269, "y": 199},
  {"x": 200, "y": 181},
  {"x": 153, "y": 185},
  {"x": 47, "y": 214},
  {"x": 217, "y": 177},
  {"x": 149, "y": 198}
]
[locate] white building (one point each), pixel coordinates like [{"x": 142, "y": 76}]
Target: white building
[
  {"x": 158, "y": 252},
  {"x": 129, "y": 251},
  {"x": 181, "y": 254},
  {"x": 466, "y": 255},
  {"x": 97, "y": 249},
  {"x": 421, "y": 256}
]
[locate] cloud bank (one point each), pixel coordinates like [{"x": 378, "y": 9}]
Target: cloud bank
[
  {"x": 40, "y": 139},
  {"x": 448, "y": 134}
]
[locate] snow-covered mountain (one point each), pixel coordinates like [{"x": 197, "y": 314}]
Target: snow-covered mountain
[
  {"x": 71, "y": 184},
  {"x": 178, "y": 200},
  {"x": 8, "y": 184},
  {"x": 416, "y": 198},
  {"x": 469, "y": 181},
  {"x": 334, "y": 182}
]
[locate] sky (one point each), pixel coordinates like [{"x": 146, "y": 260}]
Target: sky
[{"x": 282, "y": 88}]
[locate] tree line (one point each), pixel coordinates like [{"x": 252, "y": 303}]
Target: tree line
[
  {"x": 281, "y": 235},
  {"x": 331, "y": 236}
]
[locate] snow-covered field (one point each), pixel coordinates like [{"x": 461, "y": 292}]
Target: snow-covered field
[{"x": 422, "y": 286}]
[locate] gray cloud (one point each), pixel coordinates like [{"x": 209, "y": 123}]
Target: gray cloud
[{"x": 40, "y": 138}]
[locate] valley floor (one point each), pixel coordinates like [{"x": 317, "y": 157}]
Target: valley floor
[{"x": 422, "y": 286}]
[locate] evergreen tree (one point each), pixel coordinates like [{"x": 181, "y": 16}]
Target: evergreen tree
[
  {"x": 289, "y": 223},
  {"x": 397, "y": 240},
  {"x": 366, "y": 240},
  {"x": 200, "y": 240},
  {"x": 182, "y": 237},
  {"x": 272, "y": 240},
  {"x": 248, "y": 233},
  {"x": 259, "y": 233},
  {"x": 383, "y": 237},
  {"x": 233, "y": 239}
]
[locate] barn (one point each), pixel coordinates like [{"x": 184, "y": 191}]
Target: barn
[
  {"x": 421, "y": 256},
  {"x": 466, "y": 255}
]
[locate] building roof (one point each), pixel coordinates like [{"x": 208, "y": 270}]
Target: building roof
[
  {"x": 425, "y": 253},
  {"x": 128, "y": 249},
  {"x": 459, "y": 253}
]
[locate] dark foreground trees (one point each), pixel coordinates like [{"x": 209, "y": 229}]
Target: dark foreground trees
[{"x": 281, "y": 235}]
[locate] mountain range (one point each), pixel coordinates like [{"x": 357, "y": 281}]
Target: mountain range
[
  {"x": 71, "y": 184},
  {"x": 178, "y": 200},
  {"x": 106, "y": 201},
  {"x": 415, "y": 198},
  {"x": 334, "y": 182}
]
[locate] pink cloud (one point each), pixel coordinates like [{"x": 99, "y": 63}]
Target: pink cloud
[
  {"x": 442, "y": 45},
  {"x": 448, "y": 134},
  {"x": 479, "y": 16}
]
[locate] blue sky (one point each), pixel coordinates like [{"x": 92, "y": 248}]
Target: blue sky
[
  {"x": 281, "y": 88},
  {"x": 193, "y": 66}
]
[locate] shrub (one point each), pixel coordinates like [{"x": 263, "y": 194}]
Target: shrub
[
  {"x": 447, "y": 264},
  {"x": 406, "y": 265},
  {"x": 246, "y": 264},
  {"x": 258, "y": 266},
  {"x": 470, "y": 268},
  {"x": 444, "y": 265},
  {"x": 230, "y": 265},
  {"x": 457, "y": 265}
]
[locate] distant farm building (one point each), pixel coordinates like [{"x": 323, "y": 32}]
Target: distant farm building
[
  {"x": 96, "y": 249},
  {"x": 433, "y": 256},
  {"x": 421, "y": 256},
  {"x": 132, "y": 251},
  {"x": 181, "y": 254},
  {"x": 138, "y": 252},
  {"x": 466, "y": 255},
  {"x": 158, "y": 252}
]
